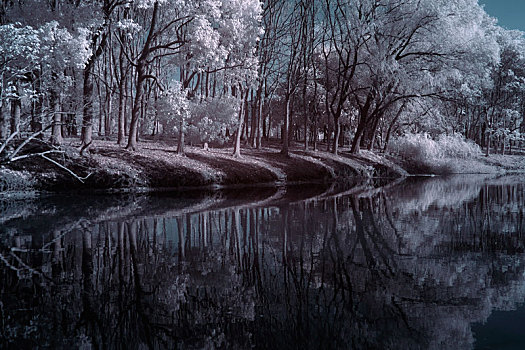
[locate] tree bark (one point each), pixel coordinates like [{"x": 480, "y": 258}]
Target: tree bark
[
  {"x": 391, "y": 126},
  {"x": 373, "y": 133},
  {"x": 285, "y": 147},
  {"x": 141, "y": 77},
  {"x": 36, "y": 108},
  {"x": 337, "y": 134},
  {"x": 56, "y": 130},
  {"x": 237, "y": 145},
  {"x": 260, "y": 111},
  {"x": 135, "y": 111},
  {"x": 87, "y": 111},
  {"x": 16, "y": 107},
  {"x": 180, "y": 146},
  {"x": 4, "y": 133},
  {"x": 121, "y": 111}
]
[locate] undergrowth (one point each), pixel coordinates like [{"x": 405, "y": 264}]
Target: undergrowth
[
  {"x": 421, "y": 154},
  {"x": 12, "y": 181}
]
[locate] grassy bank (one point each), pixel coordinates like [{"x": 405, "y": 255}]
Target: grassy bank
[{"x": 157, "y": 165}]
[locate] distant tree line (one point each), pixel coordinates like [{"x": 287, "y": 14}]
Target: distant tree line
[{"x": 351, "y": 72}]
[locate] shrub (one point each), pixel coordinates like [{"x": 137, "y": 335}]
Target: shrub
[
  {"x": 422, "y": 154},
  {"x": 12, "y": 181},
  {"x": 456, "y": 146}
]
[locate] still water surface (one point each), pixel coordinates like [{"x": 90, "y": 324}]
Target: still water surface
[{"x": 421, "y": 264}]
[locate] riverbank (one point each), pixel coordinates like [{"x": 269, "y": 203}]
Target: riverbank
[{"x": 158, "y": 166}]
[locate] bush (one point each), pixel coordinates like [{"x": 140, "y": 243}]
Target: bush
[
  {"x": 422, "y": 154},
  {"x": 456, "y": 146},
  {"x": 12, "y": 181}
]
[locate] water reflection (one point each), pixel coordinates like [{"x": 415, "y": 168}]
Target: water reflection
[{"x": 406, "y": 266}]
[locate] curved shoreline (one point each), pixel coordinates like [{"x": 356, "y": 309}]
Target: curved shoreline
[{"x": 158, "y": 168}]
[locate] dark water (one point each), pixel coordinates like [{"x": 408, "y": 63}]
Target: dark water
[{"x": 422, "y": 264}]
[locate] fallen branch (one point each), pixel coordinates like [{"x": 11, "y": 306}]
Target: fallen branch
[
  {"x": 13, "y": 154},
  {"x": 35, "y": 154},
  {"x": 81, "y": 179},
  {"x": 43, "y": 155},
  {"x": 12, "y": 136}
]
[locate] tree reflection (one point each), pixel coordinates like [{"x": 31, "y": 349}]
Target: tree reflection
[{"x": 385, "y": 269}]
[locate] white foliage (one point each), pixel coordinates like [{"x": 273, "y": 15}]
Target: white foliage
[
  {"x": 421, "y": 147},
  {"x": 204, "y": 43},
  {"x": 128, "y": 26},
  {"x": 19, "y": 46},
  {"x": 61, "y": 49},
  {"x": 211, "y": 117},
  {"x": 173, "y": 107},
  {"x": 240, "y": 30},
  {"x": 146, "y": 4},
  {"x": 19, "y": 54}
]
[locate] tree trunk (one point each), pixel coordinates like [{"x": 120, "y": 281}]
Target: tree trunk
[
  {"x": 337, "y": 134},
  {"x": 135, "y": 111},
  {"x": 16, "y": 106},
  {"x": 141, "y": 76},
  {"x": 285, "y": 147},
  {"x": 268, "y": 127},
  {"x": 237, "y": 145},
  {"x": 122, "y": 85},
  {"x": 36, "y": 108},
  {"x": 328, "y": 138},
  {"x": 314, "y": 136},
  {"x": 244, "y": 134},
  {"x": 121, "y": 112},
  {"x": 87, "y": 112},
  {"x": 260, "y": 112},
  {"x": 4, "y": 133},
  {"x": 107, "y": 119},
  {"x": 180, "y": 146},
  {"x": 253, "y": 128},
  {"x": 373, "y": 133},
  {"x": 487, "y": 151},
  {"x": 391, "y": 126},
  {"x": 56, "y": 131},
  {"x": 306, "y": 132},
  {"x": 356, "y": 142}
]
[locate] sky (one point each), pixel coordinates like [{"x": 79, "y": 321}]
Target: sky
[{"x": 510, "y": 13}]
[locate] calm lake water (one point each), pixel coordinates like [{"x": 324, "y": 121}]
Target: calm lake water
[{"x": 422, "y": 264}]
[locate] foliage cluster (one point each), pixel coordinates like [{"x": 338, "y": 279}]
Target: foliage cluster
[
  {"x": 423, "y": 146},
  {"x": 421, "y": 153}
]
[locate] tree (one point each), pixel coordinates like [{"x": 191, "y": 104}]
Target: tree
[
  {"x": 19, "y": 55},
  {"x": 98, "y": 36},
  {"x": 175, "y": 108},
  {"x": 203, "y": 37}
]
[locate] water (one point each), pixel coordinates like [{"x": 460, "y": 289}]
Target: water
[{"x": 421, "y": 264}]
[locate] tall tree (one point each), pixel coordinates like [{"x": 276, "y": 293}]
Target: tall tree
[{"x": 98, "y": 37}]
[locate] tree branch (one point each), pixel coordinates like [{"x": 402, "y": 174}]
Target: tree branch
[
  {"x": 81, "y": 179},
  {"x": 14, "y": 153},
  {"x": 35, "y": 154},
  {"x": 12, "y": 136}
]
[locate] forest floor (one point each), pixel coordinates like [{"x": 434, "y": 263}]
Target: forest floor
[{"x": 156, "y": 165}]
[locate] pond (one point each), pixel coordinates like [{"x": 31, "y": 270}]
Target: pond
[{"x": 423, "y": 263}]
